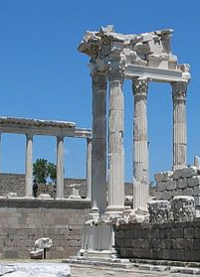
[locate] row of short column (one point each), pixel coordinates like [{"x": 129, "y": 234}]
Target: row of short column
[
  {"x": 115, "y": 204},
  {"x": 60, "y": 167}
]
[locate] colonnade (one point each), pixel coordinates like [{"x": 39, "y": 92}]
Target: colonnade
[
  {"x": 115, "y": 204},
  {"x": 60, "y": 166}
]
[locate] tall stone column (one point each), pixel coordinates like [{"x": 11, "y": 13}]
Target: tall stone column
[
  {"x": 99, "y": 86},
  {"x": 140, "y": 145},
  {"x": 0, "y": 153},
  {"x": 60, "y": 168},
  {"x": 115, "y": 140},
  {"x": 89, "y": 167},
  {"x": 29, "y": 165},
  {"x": 179, "y": 90}
]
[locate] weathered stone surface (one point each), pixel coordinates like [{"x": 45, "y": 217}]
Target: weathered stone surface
[
  {"x": 35, "y": 270},
  {"x": 166, "y": 175},
  {"x": 177, "y": 174},
  {"x": 161, "y": 186},
  {"x": 194, "y": 181},
  {"x": 188, "y": 192},
  {"x": 159, "y": 211},
  {"x": 171, "y": 185},
  {"x": 182, "y": 183},
  {"x": 166, "y": 195},
  {"x": 188, "y": 172},
  {"x": 183, "y": 208},
  {"x": 196, "y": 191}
]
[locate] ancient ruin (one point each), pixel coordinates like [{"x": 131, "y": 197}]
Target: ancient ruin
[
  {"x": 58, "y": 129},
  {"x": 141, "y": 58}
]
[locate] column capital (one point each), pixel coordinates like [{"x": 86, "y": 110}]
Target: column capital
[
  {"x": 29, "y": 136},
  {"x": 60, "y": 137},
  {"x": 179, "y": 90},
  {"x": 116, "y": 71},
  {"x": 140, "y": 86}
]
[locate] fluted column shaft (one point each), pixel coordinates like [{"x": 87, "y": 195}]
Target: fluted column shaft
[
  {"x": 140, "y": 145},
  {"x": 60, "y": 168},
  {"x": 179, "y": 90},
  {"x": 99, "y": 85},
  {"x": 29, "y": 166},
  {"x": 0, "y": 153},
  {"x": 89, "y": 167},
  {"x": 115, "y": 140}
]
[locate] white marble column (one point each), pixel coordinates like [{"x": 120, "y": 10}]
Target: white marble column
[
  {"x": 99, "y": 85},
  {"x": 29, "y": 165},
  {"x": 89, "y": 167},
  {"x": 60, "y": 168},
  {"x": 0, "y": 153},
  {"x": 140, "y": 145},
  {"x": 179, "y": 90},
  {"x": 116, "y": 148}
]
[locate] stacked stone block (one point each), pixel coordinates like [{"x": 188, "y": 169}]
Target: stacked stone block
[
  {"x": 23, "y": 221},
  {"x": 185, "y": 181},
  {"x": 167, "y": 241}
]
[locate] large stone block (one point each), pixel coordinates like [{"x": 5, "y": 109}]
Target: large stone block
[
  {"x": 171, "y": 185},
  {"x": 182, "y": 183},
  {"x": 177, "y": 174},
  {"x": 166, "y": 176},
  {"x": 159, "y": 211},
  {"x": 194, "y": 181},
  {"x": 161, "y": 186},
  {"x": 166, "y": 195},
  {"x": 188, "y": 192},
  {"x": 196, "y": 191},
  {"x": 188, "y": 172},
  {"x": 183, "y": 208}
]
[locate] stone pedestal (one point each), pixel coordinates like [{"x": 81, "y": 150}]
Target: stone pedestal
[
  {"x": 98, "y": 241},
  {"x": 99, "y": 84},
  {"x": 140, "y": 146},
  {"x": 116, "y": 148},
  {"x": 29, "y": 166},
  {"x": 60, "y": 168},
  {"x": 179, "y": 125}
]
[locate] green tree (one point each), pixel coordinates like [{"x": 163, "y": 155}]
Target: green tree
[
  {"x": 40, "y": 171},
  {"x": 52, "y": 170}
]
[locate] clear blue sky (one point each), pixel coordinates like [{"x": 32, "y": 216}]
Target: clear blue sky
[{"x": 42, "y": 75}]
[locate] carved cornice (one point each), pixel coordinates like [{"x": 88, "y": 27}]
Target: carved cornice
[
  {"x": 147, "y": 50},
  {"x": 140, "y": 86},
  {"x": 179, "y": 91}
]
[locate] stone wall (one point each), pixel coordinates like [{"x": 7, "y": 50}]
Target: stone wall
[
  {"x": 167, "y": 241},
  {"x": 184, "y": 181},
  {"x": 16, "y": 183},
  {"x": 22, "y": 221}
]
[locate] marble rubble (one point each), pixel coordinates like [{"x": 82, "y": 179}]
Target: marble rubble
[
  {"x": 41, "y": 246},
  {"x": 35, "y": 270}
]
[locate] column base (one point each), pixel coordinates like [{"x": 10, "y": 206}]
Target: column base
[
  {"x": 114, "y": 211},
  {"x": 98, "y": 241}
]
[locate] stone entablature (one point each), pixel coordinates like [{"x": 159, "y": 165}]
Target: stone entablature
[
  {"x": 30, "y": 126},
  {"x": 58, "y": 129},
  {"x": 137, "y": 55}
]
